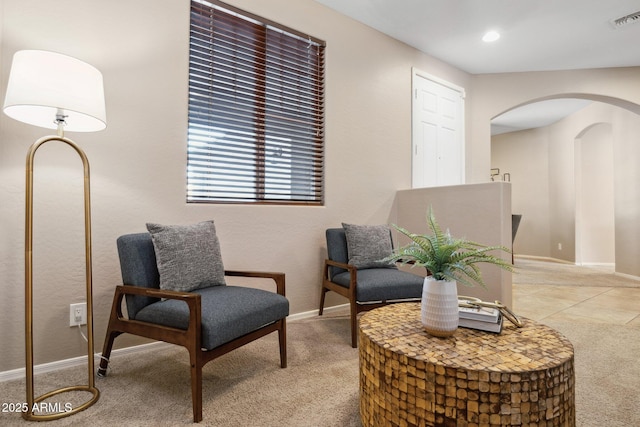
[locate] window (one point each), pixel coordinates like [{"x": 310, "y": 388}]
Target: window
[{"x": 256, "y": 110}]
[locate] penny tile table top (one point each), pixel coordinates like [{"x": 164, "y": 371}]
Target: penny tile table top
[{"x": 533, "y": 347}]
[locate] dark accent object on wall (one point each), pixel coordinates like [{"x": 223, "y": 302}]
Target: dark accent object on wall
[{"x": 515, "y": 223}]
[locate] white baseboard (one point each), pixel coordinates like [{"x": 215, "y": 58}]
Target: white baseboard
[
  {"x": 313, "y": 313},
  {"x": 627, "y": 276},
  {"x": 16, "y": 374},
  {"x": 43, "y": 368},
  {"x": 544, "y": 258},
  {"x": 596, "y": 264}
]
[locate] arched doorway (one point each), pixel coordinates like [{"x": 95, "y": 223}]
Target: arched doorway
[{"x": 551, "y": 226}]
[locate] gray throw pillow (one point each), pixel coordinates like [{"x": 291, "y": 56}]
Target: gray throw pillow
[
  {"x": 367, "y": 245},
  {"x": 188, "y": 256}
]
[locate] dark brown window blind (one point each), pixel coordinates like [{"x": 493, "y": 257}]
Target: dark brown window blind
[{"x": 256, "y": 110}]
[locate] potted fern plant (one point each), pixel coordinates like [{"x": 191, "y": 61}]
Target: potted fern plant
[{"x": 449, "y": 261}]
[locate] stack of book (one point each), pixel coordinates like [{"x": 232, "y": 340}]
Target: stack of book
[{"x": 482, "y": 318}]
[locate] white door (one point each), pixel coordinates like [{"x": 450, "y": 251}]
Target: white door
[{"x": 438, "y": 132}]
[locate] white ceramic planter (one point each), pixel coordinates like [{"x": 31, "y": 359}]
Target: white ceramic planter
[{"x": 439, "y": 307}]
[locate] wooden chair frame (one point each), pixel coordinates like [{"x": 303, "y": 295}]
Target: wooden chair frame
[
  {"x": 191, "y": 338},
  {"x": 355, "y": 307}
]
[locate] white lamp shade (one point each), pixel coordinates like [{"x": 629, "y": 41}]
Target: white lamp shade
[{"x": 42, "y": 84}]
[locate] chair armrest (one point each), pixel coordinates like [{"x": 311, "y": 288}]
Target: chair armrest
[
  {"x": 278, "y": 278},
  {"x": 191, "y": 299},
  {"x": 154, "y": 292},
  {"x": 352, "y": 269},
  {"x": 193, "y": 333},
  {"x": 349, "y": 267}
]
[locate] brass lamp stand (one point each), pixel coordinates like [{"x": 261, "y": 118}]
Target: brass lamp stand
[
  {"x": 28, "y": 291},
  {"x": 55, "y": 91}
]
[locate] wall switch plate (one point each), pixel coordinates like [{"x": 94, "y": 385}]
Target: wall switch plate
[{"x": 78, "y": 314}]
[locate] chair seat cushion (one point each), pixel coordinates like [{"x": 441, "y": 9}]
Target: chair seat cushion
[
  {"x": 383, "y": 284},
  {"x": 228, "y": 312}
]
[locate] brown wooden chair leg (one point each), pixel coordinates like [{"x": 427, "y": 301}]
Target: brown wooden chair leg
[
  {"x": 323, "y": 292},
  {"x": 106, "y": 351},
  {"x": 195, "y": 358},
  {"x": 354, "y": 324},
  {"x": 282, "y": 338}
]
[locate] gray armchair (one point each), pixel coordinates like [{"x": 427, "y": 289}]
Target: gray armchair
[
  {"x": 209, "y": 321},
  {"x": 365, "y": 288}
]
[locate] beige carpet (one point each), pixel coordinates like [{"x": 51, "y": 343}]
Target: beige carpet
[
  {"x": 320, "y": 386},
  {"x": 607, "y": 373},
  {"x": 244, "y": 388}
]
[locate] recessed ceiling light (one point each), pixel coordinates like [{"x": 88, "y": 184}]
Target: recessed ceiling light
[{"x": 490, "y": 36}]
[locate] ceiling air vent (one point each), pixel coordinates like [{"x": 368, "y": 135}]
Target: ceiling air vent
[{"x": 626, "y": 20}]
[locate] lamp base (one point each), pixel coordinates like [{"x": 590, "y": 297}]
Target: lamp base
[{"x": 63, "y": 410}]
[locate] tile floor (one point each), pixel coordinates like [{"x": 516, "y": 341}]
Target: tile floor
[{"x": 584, "y": 304}]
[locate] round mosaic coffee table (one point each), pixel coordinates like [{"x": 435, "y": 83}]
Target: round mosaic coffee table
[{"x": 523, "y": 376}]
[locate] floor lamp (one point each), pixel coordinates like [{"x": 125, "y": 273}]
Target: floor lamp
[{"x": 55, "y": 91}]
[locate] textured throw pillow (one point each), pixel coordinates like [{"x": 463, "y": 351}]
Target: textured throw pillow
[
  {"x": 188, "y": 256},
  {"x": 367, "y": 245}
]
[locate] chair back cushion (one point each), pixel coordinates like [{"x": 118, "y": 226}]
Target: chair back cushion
[
  {"x": 138, "y": 267},
  {"x": 337, "y": 249}
]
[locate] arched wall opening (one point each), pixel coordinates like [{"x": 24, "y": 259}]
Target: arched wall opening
[
  {"x": 615, "y": 101},
  {"x": 561, "y": 177}
]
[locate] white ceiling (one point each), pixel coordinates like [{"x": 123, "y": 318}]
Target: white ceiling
[{"x": 536, "y": 35}]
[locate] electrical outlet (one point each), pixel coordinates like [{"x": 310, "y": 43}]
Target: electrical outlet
[
  {"x": 78, "y": 314},
  {"x": 559, "y": 246}
]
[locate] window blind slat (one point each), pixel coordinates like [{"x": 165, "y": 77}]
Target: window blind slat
[{"x": 256, "y": 110}]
